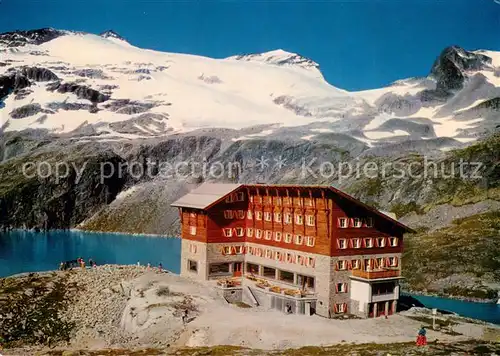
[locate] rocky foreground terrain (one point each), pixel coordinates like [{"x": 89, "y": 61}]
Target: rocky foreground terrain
[{"x": 130, "y": 310}]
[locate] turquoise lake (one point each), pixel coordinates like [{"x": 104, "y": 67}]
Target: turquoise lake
[{"x": 23, "y": 251}]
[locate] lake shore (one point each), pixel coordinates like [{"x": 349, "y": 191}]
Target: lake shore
[
  {"x": 455, "y": 297},
  {"x": 134, "y": 307}
]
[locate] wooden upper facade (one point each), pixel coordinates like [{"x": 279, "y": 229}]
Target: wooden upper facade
[{"x": 313, "y": 219}]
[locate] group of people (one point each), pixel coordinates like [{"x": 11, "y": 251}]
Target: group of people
[
  {"x": 148, "y": 266},
  {"x": 79, "y": 262}
]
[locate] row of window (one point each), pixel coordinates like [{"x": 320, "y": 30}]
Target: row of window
[
  {"x": 285, "y": 257},
  {"x": 369, "y": 264},
  {"x": 282, "y": 200},
  {"x": 269, "y": 235},
  {"x": 367, "y": 242},
  {"x": 286, "y": 218},
  {"x": 344, "y": 223}
]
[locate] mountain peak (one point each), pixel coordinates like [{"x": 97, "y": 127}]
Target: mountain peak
[
  {"x": 451, "y": 66},
  {"x": 21, "y": 38},
  {"x": 112, "y": 34},
  {"x": 280, "y": 57}
]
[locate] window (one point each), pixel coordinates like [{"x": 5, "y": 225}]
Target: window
[
  {"x": 259, "y": 199},
  {"x": 241, "y": 214},
  {"x": 358, "y": 222},
  {"x": 218, "y": 268},
  {"x": 310, "y": 262},
  {"x": 340, "y": 308},
  {"x": 356, "y": 264},
  {"x": 249, "y": 214},
  {"x": 252, "y": 268},
  {"x": 259, "y": 215},
  {"x": 382, "y": 288},
  {"x": 289, "y": 258},
  {"x": 381, "y": 241},
  {"x": 269, "y": 254},
  {"x": 258, "y": 233},
  {"x": 356, "y": 243},
  {"x": 228, "y": 214},
  {"x": 228, "y": 232},
  {"x": 286, "y": 277},
  {"x": 269, "y": 235},
  {"x": 299, "y": 220},
  {"x": 298, "y": 239},
  {"x": 288, "y": 218},
  {"x": 239, "y": 250},
  {"x": 192, "y": 230},
  {"x": 249, "y": 232},
  {"x": 393, "y": 261},
  {"x": 342, "y": 265},
  {"x": 279, "y": 201},
  {"x": 227, "y": 250},
  {"x": 193, "y": 215},
  {"x": 288, "y": 238},
  {"x": 269, "y": 272},
  {"x": 369, "y": 222},
  {"x": 277, "y": 255},
  {"x": 240, "y": 231},
  {"x": 298, "y": 201},
  {"x": 267, "y": 216},
  {"x": 277, "y": 217},
  {"x": 309, "y": 202},
  {"x": 310, "y": 220},
  {"x": 192, "y": 248},
  {"x": 343, "y": 223},
  {"x": 369, "y": 243},
  {"x": 393, "y": 241},
  {"x": 192, "y": 266},
  {"x": 306, "y": 281},
  {"x": 381, "y": 262},
  {"x": 241, "y": 196},
  {"x": 310, "y": 241},
  {"x": 277, "y": 236},
  {"x": 341, "y": 287},
  {"x": 342, "y": 243}
]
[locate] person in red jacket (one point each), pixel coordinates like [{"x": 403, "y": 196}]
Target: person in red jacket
[{"x": 422, "y": 338}]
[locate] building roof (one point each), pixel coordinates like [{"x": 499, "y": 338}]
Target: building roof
[
  {"x": 205, "y": 195},
  {"x": 208, "y": 194}
]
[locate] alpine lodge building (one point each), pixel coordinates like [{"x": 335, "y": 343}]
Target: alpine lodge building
[{"x": 295, "y": 248}]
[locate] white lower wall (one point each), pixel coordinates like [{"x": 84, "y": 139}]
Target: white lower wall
[{"x": 361, "y": 292}]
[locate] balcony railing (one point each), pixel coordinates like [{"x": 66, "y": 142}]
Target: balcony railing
[{"x": 376, "y": 274}]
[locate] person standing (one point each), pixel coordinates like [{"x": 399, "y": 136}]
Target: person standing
[
  {"x": 160, "y": 267},
  {"x": 422, "y": 338}
]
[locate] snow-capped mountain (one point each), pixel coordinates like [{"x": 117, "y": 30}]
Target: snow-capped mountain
[{"x": 102, "y": 87}]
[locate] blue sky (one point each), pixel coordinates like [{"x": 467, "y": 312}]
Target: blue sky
[{"x": 359, "y": 44}]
